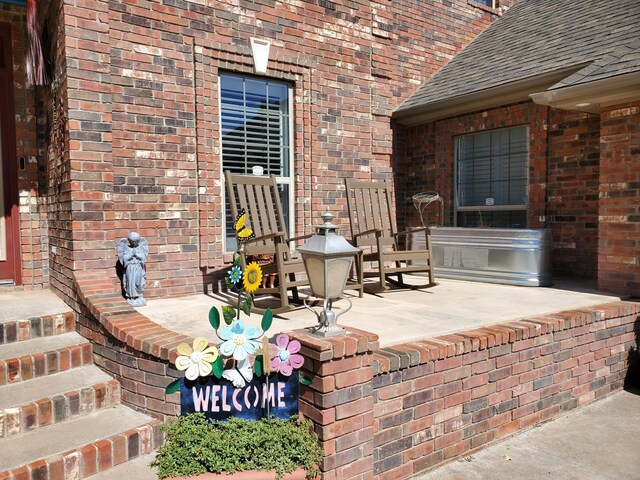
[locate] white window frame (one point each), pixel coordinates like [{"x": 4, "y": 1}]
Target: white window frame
[{"x": 280, "y": 180}]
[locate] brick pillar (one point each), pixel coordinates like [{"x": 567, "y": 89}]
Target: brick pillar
[
  {"x": 619, "y": 209},
  {"x": 89, "y": 92},
  {"x": 340, "y": 400}
]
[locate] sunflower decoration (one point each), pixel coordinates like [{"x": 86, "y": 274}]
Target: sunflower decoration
[
  {"x": 242, "y": 283},
  {"x": 252, "y": 277}
]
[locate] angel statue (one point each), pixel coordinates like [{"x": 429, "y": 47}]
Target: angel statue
[{"x": 132, "y": 253}]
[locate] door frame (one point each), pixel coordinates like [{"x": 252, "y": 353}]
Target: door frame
[{"x": 9, "y": 159}]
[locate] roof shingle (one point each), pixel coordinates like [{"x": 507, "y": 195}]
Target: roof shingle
[{"x": 534, "y": 37}]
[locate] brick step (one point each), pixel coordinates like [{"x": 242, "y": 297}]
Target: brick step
[
  {"x": 34, "y": 327},
  {"x": 22, "y": 305},
  {"x": 34, "y": 358},
  {"x": 36, "y": 403},
  {"x": 137, "y": 469},
  {"x": 80, "y": 447}
]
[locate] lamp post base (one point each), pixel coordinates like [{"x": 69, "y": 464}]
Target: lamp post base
[{"x": 327, "y": 326}]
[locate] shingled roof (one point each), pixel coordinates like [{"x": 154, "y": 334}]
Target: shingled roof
[{"x": 541, "y": 45}]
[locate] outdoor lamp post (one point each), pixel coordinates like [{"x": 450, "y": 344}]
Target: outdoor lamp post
[{"x": 327, "y": 259}]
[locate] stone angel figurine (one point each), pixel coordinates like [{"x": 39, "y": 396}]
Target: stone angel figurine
[{"x": 132, "y": 253}]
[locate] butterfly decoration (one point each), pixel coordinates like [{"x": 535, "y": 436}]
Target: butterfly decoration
[
  {"x": 243, "y": 233},
  {"x": 241, "y": 375}
]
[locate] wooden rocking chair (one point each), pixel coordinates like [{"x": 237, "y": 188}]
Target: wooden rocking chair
[
  {"x": 373, "y": 229},
  {"x": 259, "y": 196}
]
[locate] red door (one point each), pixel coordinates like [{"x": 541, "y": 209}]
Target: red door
[{"x": 9, "y": 228}]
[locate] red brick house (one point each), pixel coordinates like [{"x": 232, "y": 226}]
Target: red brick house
[
  {"x": 536, "y": 125},
  {"x": 140, "y": 115},
  {"x": 146, "y": 103}
]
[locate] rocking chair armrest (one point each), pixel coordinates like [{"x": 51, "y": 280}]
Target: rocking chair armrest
[
  {"x": 266, "y": 236},
  {"x": 407, "y": 232},
  {"x": 300, "y": 237},
  {"x": 377, "y": 231}
]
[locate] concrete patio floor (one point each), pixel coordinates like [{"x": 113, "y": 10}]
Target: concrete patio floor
[{"x": 401, "y": 315}]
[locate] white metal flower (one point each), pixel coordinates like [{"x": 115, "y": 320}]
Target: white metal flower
[
  {"x": 196, "y": 361},
  {"x": 239, "y": 342}
]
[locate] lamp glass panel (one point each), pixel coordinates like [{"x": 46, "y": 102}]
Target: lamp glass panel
[
  {"x": 337, "y": 273},
  {"x": 315, "y": 271}
]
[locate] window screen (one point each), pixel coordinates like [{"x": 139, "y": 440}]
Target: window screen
[{"x": 492, "y": 177}]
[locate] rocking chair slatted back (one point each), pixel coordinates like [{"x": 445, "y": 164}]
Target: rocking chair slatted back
[
  {"x": 259, "y": 197},
  {"x": 373, "y": 229},
  {"x": 370, "y": 210}
]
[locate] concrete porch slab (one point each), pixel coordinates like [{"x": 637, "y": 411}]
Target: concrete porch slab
[{"x": 401, "y": 315}]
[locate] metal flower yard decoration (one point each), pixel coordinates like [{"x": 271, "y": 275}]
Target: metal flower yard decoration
[
  {"x": 240, "y": 343},
  {"x": 284, "y": 355},
  {"x": 196, "y": 361},
  {"x": 252, "y": 277}
]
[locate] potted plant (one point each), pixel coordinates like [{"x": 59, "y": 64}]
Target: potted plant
[
  {"x": 203, "y": 446},
  {"x": 272, "y": 448}
]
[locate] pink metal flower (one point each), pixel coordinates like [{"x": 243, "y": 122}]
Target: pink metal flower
[{"x": 284, "y": 355}]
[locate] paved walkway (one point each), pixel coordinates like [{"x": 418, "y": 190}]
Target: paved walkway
[{"x": 596, "y": 442}]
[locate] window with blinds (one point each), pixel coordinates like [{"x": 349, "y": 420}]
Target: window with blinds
[
  {"x": 492, "y": 178},
  {"x": 256, "y": 134}
]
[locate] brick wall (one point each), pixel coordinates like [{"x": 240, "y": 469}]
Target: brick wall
[
  {"x": 619, "y": 214},
  {"x": 393, "y": 412},
  {"x": 32, "y": 217},
  {"x": 574, "y": 163},
  {"x": 142, "y": 88},
  {"x": 563, "y": 174},
  {"x": 481, "y": 386}
]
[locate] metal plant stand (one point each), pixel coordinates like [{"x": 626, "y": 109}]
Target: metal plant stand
[{"x": 423, "y": 200}]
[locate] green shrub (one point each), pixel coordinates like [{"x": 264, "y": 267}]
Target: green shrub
[{"x": 195, "y": 445}]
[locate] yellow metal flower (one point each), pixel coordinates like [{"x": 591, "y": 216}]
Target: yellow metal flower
[
  {"x": 252, "y": 277},
  {"x": 197, "y": 360}
]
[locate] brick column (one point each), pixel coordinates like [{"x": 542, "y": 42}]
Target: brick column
[
  {"x": 619, "y": 212},
  {"x": 89, "y": 185},
  {"x": 340, "y": 400}
]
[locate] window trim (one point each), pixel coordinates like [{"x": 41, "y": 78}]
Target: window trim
[
  {"x": 485, "y": 208},
  {"x": 290, "y": 180}
]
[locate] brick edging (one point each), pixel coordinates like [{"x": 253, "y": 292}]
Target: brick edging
[
  {"x": 94, "y": 457},
  {"x": 122, "y": 321},
  {"x": 58, "y": 408},
  {"x": 34, "y": 365},
  {"x": 410, "y": 354},
  {"x": 34, "y": 327}
]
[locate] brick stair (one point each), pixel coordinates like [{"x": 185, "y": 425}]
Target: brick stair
[{"x": 60, "y": 415}]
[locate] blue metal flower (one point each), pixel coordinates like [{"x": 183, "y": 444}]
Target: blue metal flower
[{"x": 235, "y": 275}]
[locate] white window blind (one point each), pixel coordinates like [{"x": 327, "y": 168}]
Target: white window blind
[{"x": 256, "y": 134}]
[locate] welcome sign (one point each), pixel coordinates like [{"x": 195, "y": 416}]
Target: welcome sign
[{"x": 275, "y": 395}]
